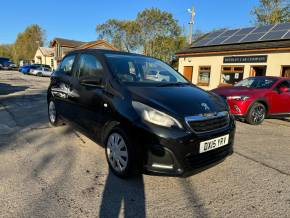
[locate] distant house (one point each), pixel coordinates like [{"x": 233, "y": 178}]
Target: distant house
[
  {"x": 62, "y": 46},
  {"x": 99, "y": 44},
  {"x": 45, "y": 56}
]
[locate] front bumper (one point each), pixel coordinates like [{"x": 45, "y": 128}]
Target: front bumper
[{"x": 177, "y": 154}]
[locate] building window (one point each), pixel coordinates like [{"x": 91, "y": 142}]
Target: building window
[
  {"x": 285, "y": 71},
  {"x": 52, "y": 63},
  {"x": 203, "y": 75},
  {"x": 232, "y": 74},
  {"x": 258, "y": 70}
]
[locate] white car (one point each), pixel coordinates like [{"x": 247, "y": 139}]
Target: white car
[{"x": 41, "y": 71}]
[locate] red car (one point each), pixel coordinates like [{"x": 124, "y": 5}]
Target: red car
[{"x": 255, "y": 98}]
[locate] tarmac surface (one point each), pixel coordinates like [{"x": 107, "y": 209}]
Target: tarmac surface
[{"x": 58, "y": 172}]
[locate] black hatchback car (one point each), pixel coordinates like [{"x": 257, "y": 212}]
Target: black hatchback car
[{"x": 148, "y": 117}]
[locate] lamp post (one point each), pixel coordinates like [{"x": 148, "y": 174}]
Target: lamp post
[{"x": 191, "y": 22}]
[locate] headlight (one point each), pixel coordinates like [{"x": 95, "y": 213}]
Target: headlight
[
  {"x": 238, "y": 98},
  {"x": 154, "y": 116}
]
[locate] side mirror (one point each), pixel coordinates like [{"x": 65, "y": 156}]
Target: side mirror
[
  {"x": 283, "y": 89},
  {"x": 91, "y": 81}
]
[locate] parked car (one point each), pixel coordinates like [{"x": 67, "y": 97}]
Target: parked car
[
  {"x": 166, "y": 127},
  {"x": 3, "y": 63},
  {"x": 41, "y": 71},
  {"x": 11, "y": 65},
  {"x": 27, "y": 68},
  {"x": 256, "y": 98}
]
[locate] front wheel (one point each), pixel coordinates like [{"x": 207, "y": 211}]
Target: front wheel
[
  {"x": 256, "y": 114},
  {"x": 53, "y": 116},
  {"x": 120, "y": 154}
]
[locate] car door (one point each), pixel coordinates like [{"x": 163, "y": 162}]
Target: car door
[
  {"x": 90, "y": 89},
  {"x": 62, "y": 87},
  {"x": 280, "y": 101}
]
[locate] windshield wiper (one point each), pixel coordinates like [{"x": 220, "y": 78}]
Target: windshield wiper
[{"x": 173, "y": 84}]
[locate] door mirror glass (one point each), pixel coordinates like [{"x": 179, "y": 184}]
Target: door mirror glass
[{"x": 284, "y": 86}]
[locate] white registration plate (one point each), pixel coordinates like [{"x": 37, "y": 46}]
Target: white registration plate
[{"x": 213, "y": 143}]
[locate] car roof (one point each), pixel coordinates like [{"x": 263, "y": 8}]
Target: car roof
[{"x": 105, "y": 51}]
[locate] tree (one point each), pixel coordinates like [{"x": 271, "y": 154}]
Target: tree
[
  {"x": 122, "y": 34},
  {"x": 154, "y": 32},
  {"x": 156, "y": 25},
  {"x": 165, "y": 47},
  {"x": 6, "y": 50},
  {"x": 28, "y": 42},
  {"x": 272, "y": 12}
]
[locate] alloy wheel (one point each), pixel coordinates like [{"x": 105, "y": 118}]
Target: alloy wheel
[{"x": 258, "y": 114}]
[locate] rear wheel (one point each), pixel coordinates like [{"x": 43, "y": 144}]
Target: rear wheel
[
  {"x": 121, "y": 154},
  {"x": 53, "y": 116},
  {"x": 256, "y": 114}
]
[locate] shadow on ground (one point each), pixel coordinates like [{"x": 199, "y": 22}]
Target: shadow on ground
[
  {"x": 123, "y": 197},
  {"x": 6, "y": 89}
]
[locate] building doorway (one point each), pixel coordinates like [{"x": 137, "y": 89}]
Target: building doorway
[
  {"x": 187, "y": 72},
  {"x": 258, "y": 71},
  {"x": 285, "y": 71}
]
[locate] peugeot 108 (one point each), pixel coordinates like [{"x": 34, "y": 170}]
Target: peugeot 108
[{"x": 162, "y": 125}]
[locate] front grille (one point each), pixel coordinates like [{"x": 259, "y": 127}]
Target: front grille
[
  {"x": 200, "y": 160},
  {"x": 205, "y": 124}
]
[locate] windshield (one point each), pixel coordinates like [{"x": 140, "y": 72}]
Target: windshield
[
  {"x": 257, "y": 83},
  {"x": 138, "y": 69}
]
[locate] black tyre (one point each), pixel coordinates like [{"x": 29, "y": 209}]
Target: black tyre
[
  {"x": 121, "y": 154},
  {"x": 39, "y": 74},
  {"x": 53, "y": 116},
  {"x": 256, "y": 114}
]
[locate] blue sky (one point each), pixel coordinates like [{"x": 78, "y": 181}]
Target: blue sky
[{"x": 78, "y": 19}]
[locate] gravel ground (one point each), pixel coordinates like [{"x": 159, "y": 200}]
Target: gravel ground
[{"x": 58, "y": 172}]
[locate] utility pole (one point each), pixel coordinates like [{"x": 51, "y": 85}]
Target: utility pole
[{"x": 191, "y": 22}]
